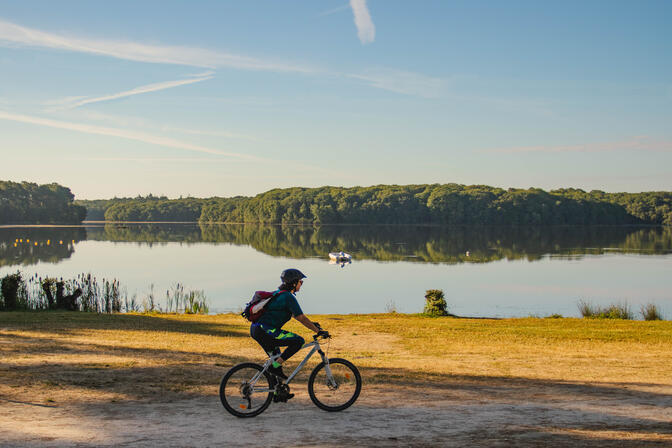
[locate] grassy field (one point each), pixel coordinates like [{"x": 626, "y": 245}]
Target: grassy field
[{"x": 61, "y": 357}]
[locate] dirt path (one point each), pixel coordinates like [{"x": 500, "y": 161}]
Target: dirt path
[{"x": 493, "y": 414}]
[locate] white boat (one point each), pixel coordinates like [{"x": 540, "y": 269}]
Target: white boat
[{"x": 340, "y": 256}]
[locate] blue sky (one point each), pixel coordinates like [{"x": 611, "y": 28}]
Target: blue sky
[{"x": 234, "y": 98}]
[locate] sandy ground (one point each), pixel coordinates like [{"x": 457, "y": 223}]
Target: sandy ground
[{"x": 493, "y": 412}]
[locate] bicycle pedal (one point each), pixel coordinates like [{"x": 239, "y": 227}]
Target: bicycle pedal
[
  {"x": 282, "y": 398},
  {"x": 282, "y": 393}
]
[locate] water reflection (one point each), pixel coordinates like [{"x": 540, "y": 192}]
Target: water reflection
[
  {"x": 422, "y": 244},
  {"x": 30, "y": 245}
]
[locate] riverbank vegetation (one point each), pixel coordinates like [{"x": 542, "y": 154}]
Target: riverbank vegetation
[
  {"x": 86, "y": 293},
  {"x": 441, "y": 204},
  {"x": 64, "y": 357},
  {"x": 30, "y": 203}
]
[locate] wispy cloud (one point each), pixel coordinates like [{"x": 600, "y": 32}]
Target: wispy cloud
[
  {"x": 225, "y": 134},
  {"x": 638, "y": 143},
  {"x": 12, "y": 34},
  {"x": 81, "y": 101},
  {"x": 334, "y": 10},
  {"x": 122, "y": 133},
  {"x": 366, "y": 30},
  {"x": 125, "y": 121},
  {"x": 407, "y": 83},
  {"x": 149, "y": 159}
]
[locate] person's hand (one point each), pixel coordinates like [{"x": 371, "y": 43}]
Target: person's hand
[
  {"x": 323, "y": 334},
  {"x": 317, "y": 324}
]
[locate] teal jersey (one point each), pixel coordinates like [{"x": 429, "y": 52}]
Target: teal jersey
[{"x": 280, "y": 310}]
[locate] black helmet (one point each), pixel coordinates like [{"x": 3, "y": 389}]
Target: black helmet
[{"x": 290, "y": 276}]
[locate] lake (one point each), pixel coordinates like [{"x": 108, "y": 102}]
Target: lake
[{"x": 485, "y": 271}]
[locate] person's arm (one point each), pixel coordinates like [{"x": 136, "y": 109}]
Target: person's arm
[{"x": 307, "y": 322}]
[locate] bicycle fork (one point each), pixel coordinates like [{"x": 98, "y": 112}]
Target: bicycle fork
[{"x": 331, "y": 381}]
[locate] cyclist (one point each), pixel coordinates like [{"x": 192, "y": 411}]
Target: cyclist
[{"x": 268, "y": 332}]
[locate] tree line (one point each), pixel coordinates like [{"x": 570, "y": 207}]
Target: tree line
[
  {"x": 30, "y": 203},
  {"x": 440, "y": 204}
]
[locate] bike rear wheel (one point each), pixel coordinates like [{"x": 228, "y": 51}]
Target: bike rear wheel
[
  {"x": 337, "y": 391},
  {"x": 245, "y": 391}
]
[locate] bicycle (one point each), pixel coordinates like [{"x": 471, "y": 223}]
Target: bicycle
[{"x": 333, "y": 385}]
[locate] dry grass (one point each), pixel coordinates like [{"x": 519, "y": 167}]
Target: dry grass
[{"x": 53, "y": 357}]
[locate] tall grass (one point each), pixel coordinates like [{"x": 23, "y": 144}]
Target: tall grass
[
  {"x": 97, "y": 296},
  {"x": 613, "y": 311},
  {"x": 189, "y": 302},
  {"x": 650, "y": 312}
]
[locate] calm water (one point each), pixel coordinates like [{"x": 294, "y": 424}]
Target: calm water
[{"x": 483, "y": 271}]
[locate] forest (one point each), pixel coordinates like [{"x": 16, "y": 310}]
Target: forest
[
  {"x": 30, "y": 203},
  {"x": 437, "y": 204}
]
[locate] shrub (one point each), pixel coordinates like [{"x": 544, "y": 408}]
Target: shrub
[
  {"x": 435, "y": 303},
  {"x": 650, "y": 312},
  {"x": 13, "y": 290},
  {"x": 555, "y": 316},
  {"x": 613, "y": 311}
]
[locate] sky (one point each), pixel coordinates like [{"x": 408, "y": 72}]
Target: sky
[{"x": 226, "y": 98}]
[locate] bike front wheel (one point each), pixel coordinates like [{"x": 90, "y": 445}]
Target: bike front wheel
[
  {"x": 245, "y": 390},
  {"x": 334, "y": 387}
]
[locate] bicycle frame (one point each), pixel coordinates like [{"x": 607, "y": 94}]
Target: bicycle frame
[{"x": 316, "y": 348}]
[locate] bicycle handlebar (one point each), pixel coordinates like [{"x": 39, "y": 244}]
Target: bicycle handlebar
[{"x": 321, "y": 334}]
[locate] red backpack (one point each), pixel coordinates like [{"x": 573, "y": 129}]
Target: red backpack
[{"x": 256, "y": 307}]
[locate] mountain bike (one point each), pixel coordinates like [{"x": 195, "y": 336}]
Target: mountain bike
[{"x": 248, "y": 389}]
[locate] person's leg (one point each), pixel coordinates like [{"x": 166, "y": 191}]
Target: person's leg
[
  {"x": 267, "y": 342},
  {"x": 292, "y": 341},
  {"x": 270, "y": 339}
]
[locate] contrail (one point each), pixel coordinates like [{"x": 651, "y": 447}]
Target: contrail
[
  {"x": 11, "y": 33},
  {"x": 121, "y": 133},
  {"x": 142, "y": 89}
]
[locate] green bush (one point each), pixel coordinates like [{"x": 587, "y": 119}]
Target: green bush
[
  {"x": 435, "y": 303},
  {"x": 613, "y": 311},
  {"x": 13, "y": 290}
]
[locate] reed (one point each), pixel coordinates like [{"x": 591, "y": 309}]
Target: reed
[
  {"x": 34, "y": 293},
  {"x": 148, "y": 303},
  {"x": 189, "y": 302},
  {"x": 390, "y": 307}
]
